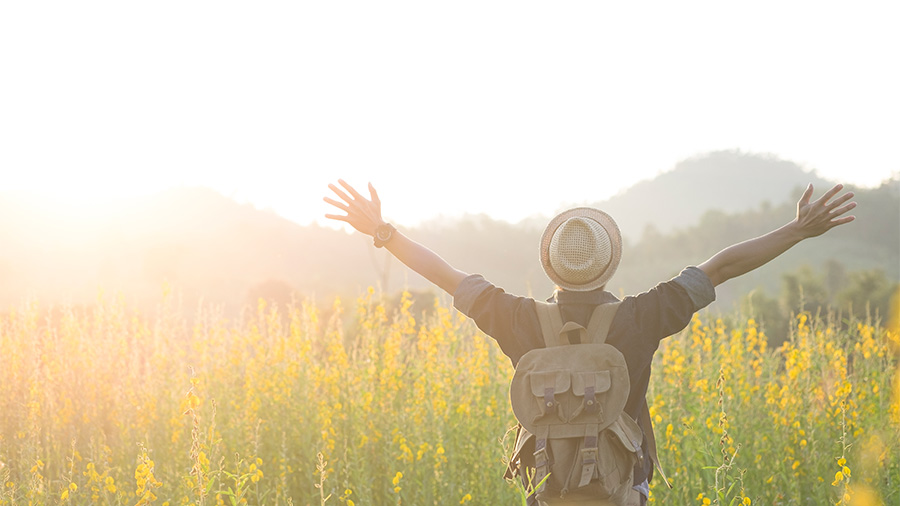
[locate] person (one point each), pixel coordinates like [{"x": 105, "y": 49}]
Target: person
[{"x": 580, "y": 250}]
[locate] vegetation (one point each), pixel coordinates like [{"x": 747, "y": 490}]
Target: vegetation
[
  {"x": 368, "y": 405},
  {"x": 228, "y": 254}
]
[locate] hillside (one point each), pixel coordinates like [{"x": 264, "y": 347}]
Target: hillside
[
  {"x": 727, "y": 181},
  {"x": 208, "y": 247}
]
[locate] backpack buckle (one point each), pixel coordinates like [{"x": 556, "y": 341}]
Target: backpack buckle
[
  {"x": 590, "y": 400},
  {"x": 550, "y": 405},
  {"x": 589, "y": 456}
]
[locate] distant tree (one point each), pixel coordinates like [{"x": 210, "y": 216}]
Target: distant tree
[
  {"x": 868, "y": 291},
  {"x": 835, "y": 277},
  {"x": 804, "y": 290},
  {"x": 768, "y": 313},
  {"x": 273, "y": 291}
]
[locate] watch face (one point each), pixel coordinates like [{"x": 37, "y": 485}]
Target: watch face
[{"x": 383, "y": 233}]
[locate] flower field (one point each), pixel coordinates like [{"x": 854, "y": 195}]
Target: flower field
[{"x": 362, "y": 404}]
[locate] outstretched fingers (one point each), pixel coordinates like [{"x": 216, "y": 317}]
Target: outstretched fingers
[
  {"x": 351, "y": 190},
  {"x": 838, "y": 206},
  {"x": 339, "y": 205},
  {"x": 829, "y": 194},
  {"x": 823, "y": 214},
  {"x": 840, "y": 200},
  {"x": 363, "y": 214},
  {"x": 841, "y": 210}
]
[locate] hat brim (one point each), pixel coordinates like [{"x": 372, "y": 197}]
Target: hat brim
[{"x": 615, "y": 238}]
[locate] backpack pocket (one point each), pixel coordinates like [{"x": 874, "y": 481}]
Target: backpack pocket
[
  {"x": 621, "y": 443},
  {"x": 589, "y": 389},
  {"x": 549, "y": 389}
]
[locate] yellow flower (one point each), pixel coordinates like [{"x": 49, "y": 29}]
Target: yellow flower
[{"x": 838, "y": 477}]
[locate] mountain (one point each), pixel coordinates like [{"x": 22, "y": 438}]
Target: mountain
[
  {"x": 727, "y": 181},
  {"x": 193, "y": 240},
  {"x": 206, "y": 247}
]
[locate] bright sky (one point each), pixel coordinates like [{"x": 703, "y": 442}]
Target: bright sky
[{"x": 507, "y": 108}]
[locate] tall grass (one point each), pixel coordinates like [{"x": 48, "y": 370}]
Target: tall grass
[{"x": 363, "y": 405}]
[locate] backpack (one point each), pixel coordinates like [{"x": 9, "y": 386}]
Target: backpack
[{"x": 569, "y": 400}]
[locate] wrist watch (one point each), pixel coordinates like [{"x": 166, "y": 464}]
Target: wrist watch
[{"x": 383, "y": 234}]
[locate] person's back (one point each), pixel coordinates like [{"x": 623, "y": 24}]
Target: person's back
[{"x": 580, "y": 251}]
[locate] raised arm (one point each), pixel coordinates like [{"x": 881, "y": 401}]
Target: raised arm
[
  {"x": 365, "y": 216},
  {"x": 813, "y": 219}
]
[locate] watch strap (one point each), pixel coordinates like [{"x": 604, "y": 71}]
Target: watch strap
[{"x": 383, "y": 234}]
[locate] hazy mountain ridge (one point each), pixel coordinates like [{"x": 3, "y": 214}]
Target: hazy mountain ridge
[
  {"x": 728, "y": 181},
  {"x": 209, "y": 247}
]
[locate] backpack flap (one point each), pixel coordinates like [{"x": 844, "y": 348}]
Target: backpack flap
[
  {"x": 591, "y": 387},
  {"x": 553, "y": 386},
  {"x": 545, "y": 386},
  {"x": 629, "y": 433}
]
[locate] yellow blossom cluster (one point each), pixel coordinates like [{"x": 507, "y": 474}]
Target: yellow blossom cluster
[
  {"x": 774, "y": 413},
  {"x": 407, "y": 402}
]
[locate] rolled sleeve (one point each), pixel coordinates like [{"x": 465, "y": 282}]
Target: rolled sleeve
[
  {"x": 468, "y": 291},
  {"x": 698, "y": 286}
]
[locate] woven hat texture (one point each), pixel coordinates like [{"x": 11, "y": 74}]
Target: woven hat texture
[{"x": 581, "y": 249}]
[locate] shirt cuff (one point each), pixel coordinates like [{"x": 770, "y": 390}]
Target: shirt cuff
[
  {"x": 468, "y": 291},
  {"x": 698, "y": 286}
]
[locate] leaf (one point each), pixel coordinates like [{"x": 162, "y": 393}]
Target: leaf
[{"x": 542, "y": 482}]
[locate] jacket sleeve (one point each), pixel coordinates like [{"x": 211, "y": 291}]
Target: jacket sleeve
[{"x": 510, "y": 319}]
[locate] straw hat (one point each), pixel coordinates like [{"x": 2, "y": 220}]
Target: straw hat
[{"x": 581, "y": 249}]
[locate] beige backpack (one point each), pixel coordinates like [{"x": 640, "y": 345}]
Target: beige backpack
[{"x": 569, "y": 400}]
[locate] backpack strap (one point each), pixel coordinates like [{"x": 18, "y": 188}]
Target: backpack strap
[
  {"x": 601, "y": 320},
  {"x": 551, "y": 323},
  {"x": 647, "y": 425},
  {"x": 541, "y": 458},
  {"x": 554, "y": 330},
  {"x": 589, "y": 454}
]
